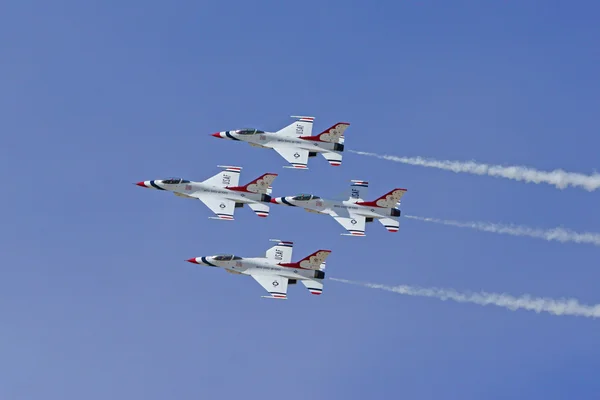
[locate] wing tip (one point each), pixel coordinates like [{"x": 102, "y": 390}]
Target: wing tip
[
  {"x": 274, "y": 297},
  {"x": 229, "y": 167},
  {"x": 357, "y": 234}
]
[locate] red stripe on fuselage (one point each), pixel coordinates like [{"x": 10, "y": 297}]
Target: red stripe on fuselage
[{"x": 291, "y": 265}]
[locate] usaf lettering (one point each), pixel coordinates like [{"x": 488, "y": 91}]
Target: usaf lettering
[
  {"x": 278, "y": 254},
  {"x": 226, "y": 179},
  {"x": 355, "y": 194}
]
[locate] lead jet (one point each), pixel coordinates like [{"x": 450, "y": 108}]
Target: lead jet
[
  {"x": 354, "y": 213},
  {"x": 275, "y": 271},
  {"x": 295, "y": 142},
  {"x": 221, "y": 192}
]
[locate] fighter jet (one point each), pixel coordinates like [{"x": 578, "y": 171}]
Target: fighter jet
[
  {"x": 354, "y": 213},
  {"x": 295, "y": 142},
  {"x": 275, "y": 271},
  {"x": 221, "y": 192}
]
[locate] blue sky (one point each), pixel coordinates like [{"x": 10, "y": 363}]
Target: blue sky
[{"x": 96, "y": 300}]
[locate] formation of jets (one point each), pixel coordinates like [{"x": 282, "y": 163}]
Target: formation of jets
[{"x": 222, "y": 194}]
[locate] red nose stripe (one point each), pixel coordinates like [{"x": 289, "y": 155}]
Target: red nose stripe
[
  {"x": 141, "y": 184},
  {"x": 218, "y": 134},
  {"x": 192, "y": 260}
]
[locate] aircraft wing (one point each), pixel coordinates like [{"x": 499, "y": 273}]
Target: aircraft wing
[
  {"x": 223, "y": 208},
  {"x": 354, "y": 224},
  {"x": 230, "y": 176},
  {"x": 301, "y": 127},
  {"x": 275, "y": 285},
  {"x": 295, "y": 156},
  {"x": 281, "y": 252}
]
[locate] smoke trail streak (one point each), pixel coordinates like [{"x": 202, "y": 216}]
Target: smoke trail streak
[
  {"x": 559, "y": 178},
  {"x": 538, "y": 304},
  {"x": 556, "y": 234}
]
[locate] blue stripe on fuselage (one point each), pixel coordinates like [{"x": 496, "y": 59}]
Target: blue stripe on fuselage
[
  {"x": 155, "y": 186},
  {"x": 205, "y": 261},
  {"x": 284, "y": 201},
  {"x": 229, "y": 136}
]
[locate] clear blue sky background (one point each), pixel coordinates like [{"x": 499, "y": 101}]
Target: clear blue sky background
[{"x": 96, "y": 300}]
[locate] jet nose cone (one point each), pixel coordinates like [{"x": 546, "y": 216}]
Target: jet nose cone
[
  {"x": 193, "y": 261},
  {"x": 217, "y": 135},
  {"x": 142, "y": 184}
]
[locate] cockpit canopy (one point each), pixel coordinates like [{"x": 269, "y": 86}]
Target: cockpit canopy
[
  {"x": 249, "y": 131},
  {"x": 226, "y": 257},
  {"x": 174, "y": 181},
  {"x": 305, "y": 197}
]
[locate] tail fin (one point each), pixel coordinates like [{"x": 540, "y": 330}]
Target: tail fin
[
  {"x": 301, "y": 127},
  {"x": 388, "y": 200},
  {"x": 322, "y": 266},
  {"x": 262, "y": 184},
  {"x": 330, "y": 135},
  {"x": 315, "y": 261}
]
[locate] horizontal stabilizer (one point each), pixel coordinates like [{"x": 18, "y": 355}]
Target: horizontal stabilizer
[
  {"x": 313, "y": 287},
  {"x": 261, "y": 209},
  {"x": 392, "y": 225},
  {"x": 335, "y": 159}
]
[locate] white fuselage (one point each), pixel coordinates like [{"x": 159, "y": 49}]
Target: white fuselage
[
  {"x": 194, "y": 189},
  {"x": 271, "y": 140},
  {"x": 258, "y": 266},
  {"x": 336, "y": 207}
]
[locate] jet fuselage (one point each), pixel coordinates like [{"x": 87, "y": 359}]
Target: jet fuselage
[
  {"x": 257, "y": 266},
  {"x": 188, "y": 189},
  {"x": 272, "y": 140},
  {"x": 326, "y": 206}
]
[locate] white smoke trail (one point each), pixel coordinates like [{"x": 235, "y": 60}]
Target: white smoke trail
[
  {"x": 556, "y": 234},
  {"x": 538, "y": 304},
  {"x": 559, "y": 178}
]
